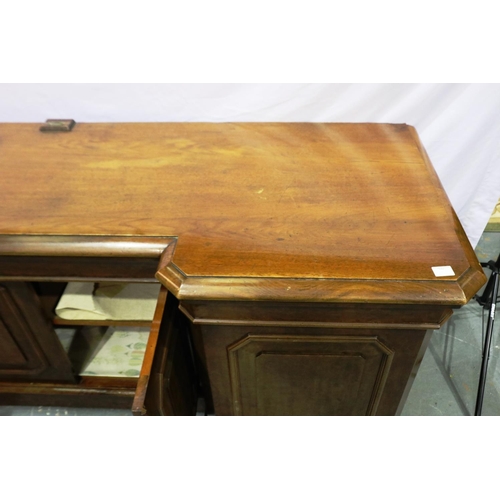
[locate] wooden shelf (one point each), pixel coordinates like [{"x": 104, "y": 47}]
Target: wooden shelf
[
  {"x": 97, "y": 382},
  {"x": 105, "y": 322}
]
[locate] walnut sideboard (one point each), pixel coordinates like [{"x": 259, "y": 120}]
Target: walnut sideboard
[{"x": 303, "y": 266}]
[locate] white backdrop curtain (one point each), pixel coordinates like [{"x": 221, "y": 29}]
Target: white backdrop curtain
[{"x": 459, "y": 124}]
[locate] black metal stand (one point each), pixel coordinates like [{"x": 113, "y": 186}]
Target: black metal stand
[{"x": 488, "y": 300}]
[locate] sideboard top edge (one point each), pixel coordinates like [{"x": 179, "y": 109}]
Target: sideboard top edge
[{"x": 84, "y": 245}]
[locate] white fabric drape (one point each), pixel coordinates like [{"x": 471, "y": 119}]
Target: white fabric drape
[{"x": 459, "y": 124}]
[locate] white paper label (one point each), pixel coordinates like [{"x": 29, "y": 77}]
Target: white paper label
[{"x": 441, "y": 271}]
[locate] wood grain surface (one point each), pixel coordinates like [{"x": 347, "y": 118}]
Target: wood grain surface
[{"x": 274, "y": 208}]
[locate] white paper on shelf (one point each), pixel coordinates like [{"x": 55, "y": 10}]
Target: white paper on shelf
[
  {"x": 119, "y": 353},
  {"x": 129, "y": 302}
]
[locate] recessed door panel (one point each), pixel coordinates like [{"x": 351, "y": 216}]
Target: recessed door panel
[
  {"x": 307, "y": 375},
  {"x": 30, "y": 348}
]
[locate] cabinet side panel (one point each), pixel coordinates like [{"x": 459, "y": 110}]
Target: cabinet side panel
[{"x": 168, "y": 382}]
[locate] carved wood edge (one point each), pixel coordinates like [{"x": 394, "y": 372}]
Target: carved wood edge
[
  {"x": 444, "y": 292},
  {"x": 435, "y": 292},
  {"x": 84, "y": 245}
]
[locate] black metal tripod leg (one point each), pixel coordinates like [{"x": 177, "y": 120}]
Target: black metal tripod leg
[{"x": 487, "y": 342}]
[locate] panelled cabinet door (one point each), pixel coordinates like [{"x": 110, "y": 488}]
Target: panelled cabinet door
[
  {"x": 30, "y": 347},
  {"x": 300, "y": 370},
  {"x": 308, "y": 374},
  {"x": 168, "y": 382}
]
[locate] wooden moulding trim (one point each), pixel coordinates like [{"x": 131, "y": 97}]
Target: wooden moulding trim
[
  {"x": 471, "y": 281},
  {"x": 65, "y": 279},
  {"x": 84, "y": 246},
  {"x": 473, "y": 278},
  {"x": 316, "y": 324},
  {"x": 450, "y": 293}
]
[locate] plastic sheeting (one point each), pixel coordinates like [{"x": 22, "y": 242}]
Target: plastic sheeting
[{"x": 459, "y": 124}]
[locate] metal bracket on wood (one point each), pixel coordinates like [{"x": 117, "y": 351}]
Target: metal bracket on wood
[{"x": 57, "y": 126}]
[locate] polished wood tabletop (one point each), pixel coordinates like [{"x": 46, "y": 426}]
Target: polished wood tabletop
[{"x": 288, "y": 211}]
